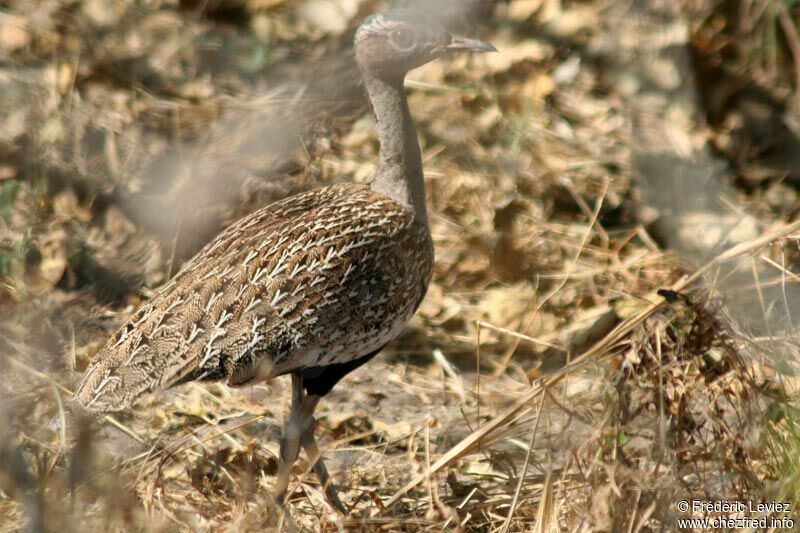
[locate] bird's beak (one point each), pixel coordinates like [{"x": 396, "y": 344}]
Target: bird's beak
[{"x": 462, "y": 43}]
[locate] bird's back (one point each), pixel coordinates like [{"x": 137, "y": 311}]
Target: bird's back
[{"x": 317, "y": 279}]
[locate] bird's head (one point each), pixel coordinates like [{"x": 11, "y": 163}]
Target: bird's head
[{"x": 392, "y": 43}]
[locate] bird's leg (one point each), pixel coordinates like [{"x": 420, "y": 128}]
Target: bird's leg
[
  {"x": 309, "y": 443},
  {"x": 299, "y": 431},
  {"x": 290, "y": 442}
]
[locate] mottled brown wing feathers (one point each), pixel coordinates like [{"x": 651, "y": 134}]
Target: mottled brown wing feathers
[{"x": 319, "y": 278}]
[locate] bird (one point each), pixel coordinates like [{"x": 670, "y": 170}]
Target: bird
[{"x": 313, "y": 285}]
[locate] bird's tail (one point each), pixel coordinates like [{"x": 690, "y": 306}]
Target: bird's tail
[
  {"x": 102, "y": 390},
  {"x": 119, "y": 377}
]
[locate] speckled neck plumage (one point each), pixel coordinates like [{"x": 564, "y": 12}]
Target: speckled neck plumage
[{"x": 399, "y": 174}]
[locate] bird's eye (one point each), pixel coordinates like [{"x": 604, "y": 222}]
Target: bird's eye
[{"x": 402, "y": 38}]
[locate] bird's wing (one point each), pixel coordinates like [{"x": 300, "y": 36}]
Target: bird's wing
[{"x": 319, "y": 277}]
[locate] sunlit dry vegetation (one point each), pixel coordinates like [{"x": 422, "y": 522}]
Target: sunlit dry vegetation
[{"x": 611, "y": 326}]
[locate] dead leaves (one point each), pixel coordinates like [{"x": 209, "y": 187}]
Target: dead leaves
[
  {"x": 329, "y": 15},
  {"x": 14, "y": 34},
  {"x": 52, "y": 262}
]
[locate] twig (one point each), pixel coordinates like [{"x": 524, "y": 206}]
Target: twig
[
  {"x": 521, "y": 480},
  {"x": 760, "y": 294},
  {"x": 792, "y": 39},
  {"x": 478, "y": 370},
  {"x": 571, "y": 266},
  {"x": 447, "y": 368},
  {"x": 488, "y": 325},
  {"x": 545, "y": 501}
]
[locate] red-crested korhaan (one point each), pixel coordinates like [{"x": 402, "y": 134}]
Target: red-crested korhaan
[{"x": 312, "y": 286}]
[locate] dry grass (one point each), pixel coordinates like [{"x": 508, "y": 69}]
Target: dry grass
[{"x": 545, "y": 385}]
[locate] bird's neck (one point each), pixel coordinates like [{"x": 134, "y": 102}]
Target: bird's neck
[{"x": 399, "y": 174}]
